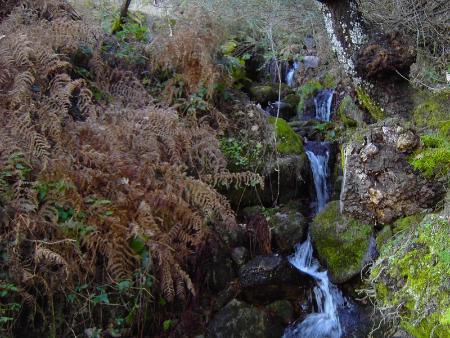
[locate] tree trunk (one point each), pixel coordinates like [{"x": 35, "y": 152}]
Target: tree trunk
[
  {"x": 378, "y": 63},
  {"x": 123, "y": 16}
]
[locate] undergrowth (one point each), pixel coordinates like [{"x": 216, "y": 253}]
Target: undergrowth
[{"x": 107, "y": 202}]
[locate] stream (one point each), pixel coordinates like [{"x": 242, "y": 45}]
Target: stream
[{"x": 324, "y": 323}]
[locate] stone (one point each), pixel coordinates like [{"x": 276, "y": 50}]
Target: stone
[
  {"x": 241, "y": 320},
  {"x": 311, "y": 61},
  {"x": 379, "y": 184},
  {"x": 288, "y": 228},
  {"x": 239, "y": 255},
  {"x": 263, "y": 93},
  {"x": 342, "y": 243},
  {"x": 220, "y": 272},
  {"x": 282, "y": 309},
  {"x": 267, "y": 270},
  {"x": 282, "y": 109}
]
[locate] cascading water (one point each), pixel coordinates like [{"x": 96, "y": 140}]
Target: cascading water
[
  {"x": 291, "y": 73},
  {"x": 319, "y": 154},
  {"x": 323, "y": 102},
  {"x": 325, "y": 322}
]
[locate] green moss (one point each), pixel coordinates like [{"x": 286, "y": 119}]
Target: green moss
[
  {"x": 412, "y": 276},
  {"x": 292, "y": 99},
  {"x": 329, "y": 81},
  {"x": 288, "y": 142},
  {"x": 406, "y": 223},
  {"x": 434, "y": 158},
  {"x": 341, "y": 242},
  {"x": 433, "y": 111},
  {"x": 375, "y": 111},
  {"x": 383, "y": 236},
  {"x": 308, "y": 90},
  {"x": 345, "y": 106}
]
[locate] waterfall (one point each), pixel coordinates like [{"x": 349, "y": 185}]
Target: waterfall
[
  {"x": 291, "y": 73},
  {"x": 323, "y": 102},
  {"x": 324, "y": 323},
  {"x": 319, "y": 154}
]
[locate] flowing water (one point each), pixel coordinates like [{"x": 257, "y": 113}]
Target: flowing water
[
  {"x": 323, "y": 102},
  {"x": 291, "y": 73},
  {"x": 325, "y": 322},
  {"x": 319, "y": 154}
]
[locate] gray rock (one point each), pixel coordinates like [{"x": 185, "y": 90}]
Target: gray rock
[
  {"x": 311, "y": 61},
  {"x": 220, "y": 272},
  {"x": 239, "y": 255},
  {"x": 267, "y": 270},
  {"x": 282, "y": 309},
  {"x": 241, "y": 320},
  {"x": 288, "y": 228},
  {"x": 379, "y": 183}
]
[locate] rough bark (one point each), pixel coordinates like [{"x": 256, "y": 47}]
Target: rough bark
[{"x": 379, "y": 63}]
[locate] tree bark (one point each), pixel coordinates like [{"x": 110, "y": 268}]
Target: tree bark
[
  {"x": 378, "y": 63},
  {"x": 123, "y": 16}
]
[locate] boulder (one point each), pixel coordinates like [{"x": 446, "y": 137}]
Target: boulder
[
  {"x": 267, "y": 270},
  {"x": 283, "y": 309},
  {"x": 288, "y": 228},
  {"x": 263, "y": 93},
  {"x": 241, "y": 320},
  {"x": 282, "y": 109},
  {"x": 379, "y": 184},
  {"x": 342, "y": 243},
  {"x": 266, "y": 279},
  {"x": 239, "y": 255},
  {"x": 220, "y": 271}
]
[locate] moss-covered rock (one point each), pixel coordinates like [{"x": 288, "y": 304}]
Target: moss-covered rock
[
  {"x": 406, "y": 223},
  {"x": 341, "y": 242},
  {"x": 305, "y": 92},
  {"x": 349, "y": 113},
  {"x": 282, "y": 309},
  {"x": 288, "y": 227},
  {"x": 383, "y": 236},
  {"x": 292, "y": 99},
  {"x": 288, "y": 142},
  {"x": 433, "y": 111},
  {"x": 263, "y": 93},
  {"x": 375, "y": 111},
  {"x": 411, "y": 278}
]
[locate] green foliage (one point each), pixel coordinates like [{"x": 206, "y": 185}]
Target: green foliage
[
  {"x": 434, "y": 158},
  {"x": 241, "y": 156},
  {"x": 433, "y": 111},
  {"x": 345, "y": 106},
  {"x": 341, "y": 242},
  {"x": 8, "y": 307},
  {"x": 306, "y": 91},
  {"x": 411, "y": 277},
  {"x": 288, "y": 142},
  {"x": 375, "y": 111}
]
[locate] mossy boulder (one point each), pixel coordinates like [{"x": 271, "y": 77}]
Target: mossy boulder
[
  {"x": 411, "y": 278},
  {"x": 288, "y": 142},
  {"x": 263, "y": 93},
  {"x": 349, "y": 113},
  {"x": 241, "y": 320},
  {"x": 305, "y": 93},
  {"x": 341, "y": 242},
  {"x": 366, "y": 102},
  {"x": 283, "y": 309},
  {"x": 288, "y": 228},
  {"x": 432, "y": 110}
]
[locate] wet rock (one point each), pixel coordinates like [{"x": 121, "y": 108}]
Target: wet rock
[
  {"x": 282, "y": 109},
  {"x": 220, "y": 271},
  {"x": 266, "y": 270},
  {"x": 239, "y": 255},
  {"x": 349, "y": 113},
  {"x": 263, "y": 93},
  {"x": 311, "y": 61},
  {"x": 288, "y": 228},
  {"x": 379, "y": 183},
  {"x": 342, "y": 243},
  {"x": 282, "y": 309},
  {"x": 241, "y": 320}
]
